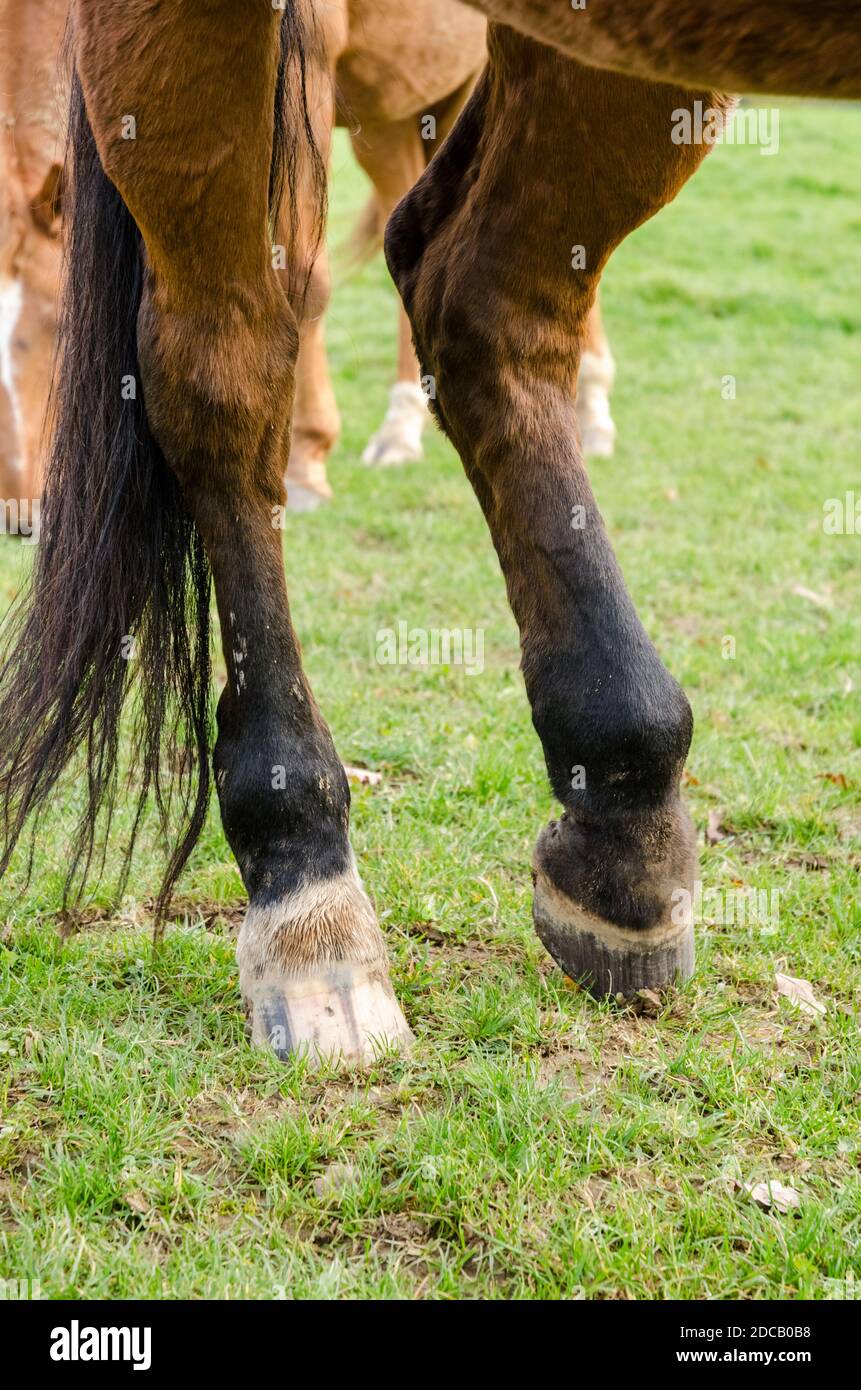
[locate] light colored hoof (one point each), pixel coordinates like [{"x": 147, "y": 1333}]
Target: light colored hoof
[
  {"x": 306, "y": 499},
  {"x": 305, "y": 480},
  {"x": 592, "y": 405},
  {"x": 399, "y": 438},
  {"x": 343, "y": 1013},
  {"x": 610, "y": 961},
  {"x": 314, "y": 977},
  {"x": 599, "y": 441}
]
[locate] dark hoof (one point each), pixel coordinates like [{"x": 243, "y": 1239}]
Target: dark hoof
[
  {"x": 614, "y": 920},
  {"x": 606, "y": 959}
]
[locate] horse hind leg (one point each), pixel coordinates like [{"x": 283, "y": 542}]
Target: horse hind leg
[
  {"x": 393, "y": 157},
  {"x": 481, "y": 250},
  {"x": 217, "y": 345},
  {"x": 316, "y": 419}
]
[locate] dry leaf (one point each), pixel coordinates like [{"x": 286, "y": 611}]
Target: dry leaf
[
  {"x": 773, "y": 1194},
  {"x": 800, "y": 992},
  {"x": 363, "y": 775},
  {"x": 812, "y": 597},
  {"x": 809, "y": 861}
]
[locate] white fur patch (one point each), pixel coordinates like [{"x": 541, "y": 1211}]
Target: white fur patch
[
  {"x": 399, "y": 437},
  {"x": 11, "y": 299},
  {"x": 593, "y": 404}
]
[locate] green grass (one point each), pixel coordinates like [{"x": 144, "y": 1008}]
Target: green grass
[{"x": 535, "y": 1144}]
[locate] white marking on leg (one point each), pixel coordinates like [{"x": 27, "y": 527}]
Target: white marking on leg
[
  {"x": 314, "y": 976},
  {"x": 11, "y": 301},
  {"x": 592, "y": 405},
  {"x": 399, "y": 437}
]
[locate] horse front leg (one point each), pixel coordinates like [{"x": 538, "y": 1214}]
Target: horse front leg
[
  {"x": 217, "y": 345},
  {"x": 497, "y": 253}
]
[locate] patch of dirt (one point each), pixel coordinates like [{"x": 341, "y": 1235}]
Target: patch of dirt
[
  {"x": 197, "y": 912},
  {"x": 573, "y": 1072}
]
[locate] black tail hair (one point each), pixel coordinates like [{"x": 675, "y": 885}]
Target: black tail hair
[{"x": 119, "y": 595}]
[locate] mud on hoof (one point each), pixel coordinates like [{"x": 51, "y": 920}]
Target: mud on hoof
[
  {"x": 399, "y": 438},
  {"x": 314, "y": 977},
  {"x": 647, "y": 942}
]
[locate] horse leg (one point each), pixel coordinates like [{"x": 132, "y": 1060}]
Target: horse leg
[
  {"x": 217, "y": 344},
  {"x": 393, "y": 157},
  {"x": 594, "y": 384},
  {"x": 497, "y": 252},
  {"x": 34, "y": 340},
  {"x": 316, "y": 419},
  {"x": 11, "y": 462}
]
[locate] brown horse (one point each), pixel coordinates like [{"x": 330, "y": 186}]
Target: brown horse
[
  {"x": 400, "y": 80},
  {"x": 399, "y": 85},
  {"x": 177, "y": 371}
]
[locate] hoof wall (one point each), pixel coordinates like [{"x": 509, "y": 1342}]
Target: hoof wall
[
  {"x": 305, "y": 499},
  {"x": 610, "y": 961},
  {"x": 344, "y": 1013},
  {"x": 599, "y": 443}
]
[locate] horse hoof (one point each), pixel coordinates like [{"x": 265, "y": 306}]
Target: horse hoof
[
  {"x": 305, "y": 499},
  {"x": 342, "y": 1013},
  {"x": 314, "y": 977},
  {"x": 599, "y": 441},
  {"x": 609, "y": 960},
  {"x": 399, "y": 438},
  {"x": 383, "y": 451},
  {"x": 613, "y": 917}
]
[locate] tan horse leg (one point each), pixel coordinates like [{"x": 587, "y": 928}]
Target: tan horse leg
[
  {"x": 33, "y": 347},
  {"x": 497, "y": 252},
  {"x": 28, "y": 325},
  {"x": 393, "y": 157},
  {"x": 316, "y": 419},
  {"x": 11, "y": 461},
  {"x": 31, "y": 107}
]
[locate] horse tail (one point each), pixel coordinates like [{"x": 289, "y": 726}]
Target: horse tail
[{"x": 118, "y": 601}]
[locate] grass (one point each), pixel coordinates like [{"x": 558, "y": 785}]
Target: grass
[{"x": 535, "y": 1144}]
